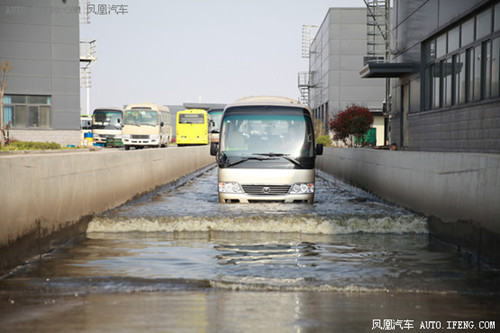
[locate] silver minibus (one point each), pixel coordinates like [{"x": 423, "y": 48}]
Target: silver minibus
[{"x": 266, "y": 151}]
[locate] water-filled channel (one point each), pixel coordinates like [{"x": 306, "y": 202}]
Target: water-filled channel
[{"x": 177, "y": 260}]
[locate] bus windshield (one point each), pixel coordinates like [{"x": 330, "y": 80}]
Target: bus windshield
[
  {"x": 191, "y": 118},
  {"x": 216, "y": 117},
  {"x": 265, "y": 132},
  {"x": 104, "y": 119},
  {"x": 141, "y": 117}
]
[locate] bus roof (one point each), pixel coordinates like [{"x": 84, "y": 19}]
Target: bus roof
[
  {"x": 192, "y": 111},
  {"x": 152, "y": 106},
  {"x": 108, "y": 108},
  {"x": 267, "y": 100},
  {"x": 215, "y": 110}
]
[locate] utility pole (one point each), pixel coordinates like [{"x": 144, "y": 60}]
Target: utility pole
[{"x": 87, "y": 58}]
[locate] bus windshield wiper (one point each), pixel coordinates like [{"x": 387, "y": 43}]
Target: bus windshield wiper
[
  {"x": 285, "y": 156},
  {"x": 225, "y": 162}
]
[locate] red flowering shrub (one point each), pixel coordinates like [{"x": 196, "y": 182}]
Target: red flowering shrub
[{"x": 355, "y": 121}]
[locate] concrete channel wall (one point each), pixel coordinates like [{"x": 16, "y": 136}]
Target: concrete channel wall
[
  {"x": 460, "y": 192},
  {"x": 42, "y": 194}
]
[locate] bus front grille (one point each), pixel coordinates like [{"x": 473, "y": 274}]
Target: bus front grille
[{"x": 266, "y": 189}]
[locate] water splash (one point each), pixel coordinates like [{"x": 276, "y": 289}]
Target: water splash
[{"x": 308, "y": 224}]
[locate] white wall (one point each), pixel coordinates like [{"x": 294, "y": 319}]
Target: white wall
[
  {"x": 57, "y": 189},
  {"x": 451, "y": 186},
  {"x": 459, "y": 191}
]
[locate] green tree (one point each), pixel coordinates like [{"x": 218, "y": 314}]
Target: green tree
[
  {"x": 5, "y": 67},
  {"x": 355, "y": 121}
]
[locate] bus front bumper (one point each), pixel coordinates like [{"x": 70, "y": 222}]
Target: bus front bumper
[
  {"x": 266, "y": 185},
  {"x": 141, "y": 140},
  {"x": 245, "y": 198}
]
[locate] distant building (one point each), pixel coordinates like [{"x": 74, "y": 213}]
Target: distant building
[
  {"x": 446, "y": 75},
  {"x": 204, "y": 106},
  {"x": 336, "y": 55},
  {"x": 40, "y": 39}
]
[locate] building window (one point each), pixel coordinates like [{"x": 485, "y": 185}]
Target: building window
[
  {"x": 467, "y": 32},
  {"x": 454, "y": 39},
  {"x": 415, "y": 93},
  {"x": 462, "y": 64},
  {"x": 461, "y": 77},
  {"x": 469, "y": 84},
  {"x": 27, "y": 111},
  {"x": 483, "y": 24},
  {"x": 495, "y": 67},
  {"x": 436, "y": 84},
  {"x": 496, "y": 24},
  {"x": 487, "y": 68},
  {"x": 476, "y": 96},
  {"x": 441, "y": 46},
  {"x": 447, "y": 82}
]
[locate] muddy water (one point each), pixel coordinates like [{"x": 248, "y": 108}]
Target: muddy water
[{"x": 176, "y": 260}]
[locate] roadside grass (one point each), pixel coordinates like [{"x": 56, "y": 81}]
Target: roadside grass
[{"x": 31, "y": 145}]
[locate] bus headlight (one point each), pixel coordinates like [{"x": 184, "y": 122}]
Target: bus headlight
[
  {"x": 230, "y": 187},
  {"x": 154, "y": 137},
  {"x": 125, "y": 136},
  {"x": 302, "y": 188}
]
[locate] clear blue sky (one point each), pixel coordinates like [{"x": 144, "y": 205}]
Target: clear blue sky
[{"x": 176, "y": 51}]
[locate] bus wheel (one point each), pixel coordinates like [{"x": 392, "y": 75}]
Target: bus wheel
[{"x": 127, "y": 147}]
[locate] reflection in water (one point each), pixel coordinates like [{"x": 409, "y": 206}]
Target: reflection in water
[
  {"x": 132, "y": 262},
  {"x": 227, "y": 311}
]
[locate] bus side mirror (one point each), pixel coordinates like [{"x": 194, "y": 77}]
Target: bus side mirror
[
  {"x": 161, "y": 124},
  {"x": 213, "y": 148},
  {"x": 319, "y": 149}
]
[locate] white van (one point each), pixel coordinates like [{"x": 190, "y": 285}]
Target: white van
[
  {"x": 107, "y": 125},
  {"x": 146, "y": 125}
]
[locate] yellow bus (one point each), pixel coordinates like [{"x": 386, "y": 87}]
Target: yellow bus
[{"x": 192, "y": 127}]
